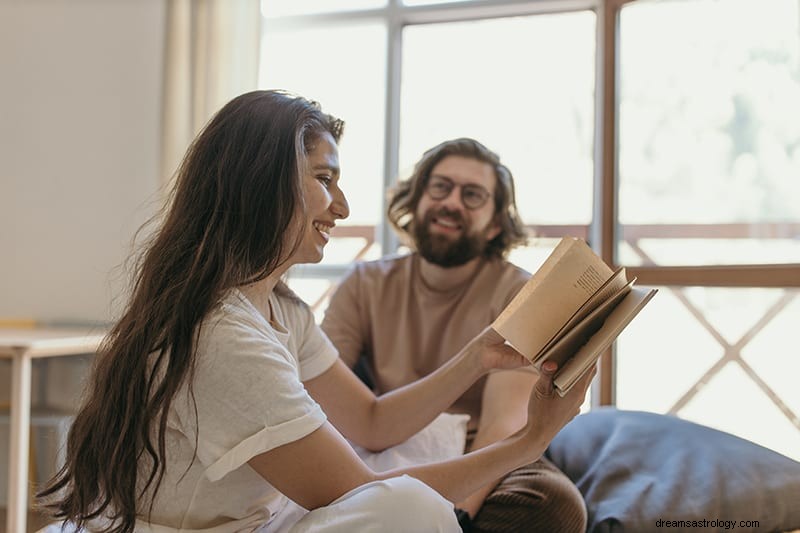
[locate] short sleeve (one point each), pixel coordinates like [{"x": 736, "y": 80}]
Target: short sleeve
[
  {"x": 248, "y": 395},
  {"x": 315, "y": 352},
  {"x": 343, "y": 322}
]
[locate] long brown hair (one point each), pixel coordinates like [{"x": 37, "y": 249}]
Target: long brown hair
[
  {"x": 236, "y": 194},
  {"x": 405, "y": 196}
]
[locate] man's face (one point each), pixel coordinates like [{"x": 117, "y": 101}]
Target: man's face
[{"x": 446, "y": 231}]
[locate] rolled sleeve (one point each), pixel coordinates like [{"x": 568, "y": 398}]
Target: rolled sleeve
[{"x": 265, "y": 440}]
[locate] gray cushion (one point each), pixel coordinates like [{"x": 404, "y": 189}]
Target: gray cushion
[{"x": 635, "y": 468}]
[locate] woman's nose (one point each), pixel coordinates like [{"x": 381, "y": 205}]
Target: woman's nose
[{"x": 339, "y": 206}]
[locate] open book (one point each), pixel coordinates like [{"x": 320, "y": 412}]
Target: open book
[{"x": 570, "y": 311}]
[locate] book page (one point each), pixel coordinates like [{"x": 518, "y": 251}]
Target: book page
[
  {"x": 569, "y": 277},
  {"x": 572, "y": 340},
  {"x": 588, "y": 354},
  {"x": 611, "y": 287},
  {"x": 566, "y": 245}
]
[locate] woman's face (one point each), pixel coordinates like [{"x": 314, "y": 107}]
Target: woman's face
[{"x": 325, "y": 201}]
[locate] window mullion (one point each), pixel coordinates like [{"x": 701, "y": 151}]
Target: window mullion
[
  {"x": 604, "y": 220},
  {"x": 394, "y": 56}
]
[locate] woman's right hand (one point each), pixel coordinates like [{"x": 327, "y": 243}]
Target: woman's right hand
[
  {"x": 494, "y": 352},
  {"x": 547, "y": 411}
]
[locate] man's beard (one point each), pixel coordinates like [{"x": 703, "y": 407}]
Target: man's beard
[{"x": 443, "y": 251}]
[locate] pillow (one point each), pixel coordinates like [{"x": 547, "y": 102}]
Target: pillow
[
  {"x": 442, "y": 439},
  {"x": 635, "y": 469}
]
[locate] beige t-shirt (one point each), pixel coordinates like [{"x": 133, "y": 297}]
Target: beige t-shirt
[{"x": 405, "y": 329}]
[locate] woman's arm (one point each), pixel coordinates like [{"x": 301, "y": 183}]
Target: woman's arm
[
  {"x": 503, "y": 412},
  {"x": 321, "y": 467},
  {"x": 378, "y": 423}
]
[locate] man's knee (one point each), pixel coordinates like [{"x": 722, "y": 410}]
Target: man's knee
[{"x": 533, "y": 498}]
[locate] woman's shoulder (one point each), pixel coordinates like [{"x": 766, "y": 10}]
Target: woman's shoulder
[
  {"x": 234, "y": 308},
  {"x": 291, "y": 310},
  {"x": 235, "y": 330},
  {"x": 234, "y": 317}
]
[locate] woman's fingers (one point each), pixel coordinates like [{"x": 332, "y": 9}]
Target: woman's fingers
[{"x": 544, "y": 385}]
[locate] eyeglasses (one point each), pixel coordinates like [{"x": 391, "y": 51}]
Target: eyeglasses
[{"x": 473, "y": 196}]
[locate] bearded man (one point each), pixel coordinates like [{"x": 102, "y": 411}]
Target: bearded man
[{"x": 401, "y": 317}]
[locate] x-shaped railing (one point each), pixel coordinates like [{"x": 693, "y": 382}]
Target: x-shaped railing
[{"x": 732, "y": 352}]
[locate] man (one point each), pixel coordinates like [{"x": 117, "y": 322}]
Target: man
[{"x": 402, "y": 317}]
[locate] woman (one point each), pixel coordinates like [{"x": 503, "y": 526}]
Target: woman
[{"x": 216, "y": 397}]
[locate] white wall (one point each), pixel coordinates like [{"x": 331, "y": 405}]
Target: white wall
[
  {"x": 80, "y": 97},
  {"x": 80, "y": 100}
]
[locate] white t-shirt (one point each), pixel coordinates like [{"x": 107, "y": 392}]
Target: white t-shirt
[{"x": 250, "y": 399}]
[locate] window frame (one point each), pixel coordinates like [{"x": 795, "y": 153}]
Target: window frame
[{"x": 603, "y": 230}]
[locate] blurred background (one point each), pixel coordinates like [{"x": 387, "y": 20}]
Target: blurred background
[{"x": 665, "y": 132}]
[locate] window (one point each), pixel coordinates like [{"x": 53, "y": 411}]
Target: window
[
  {"x": 663, "y": 132},
  {"x": 406, "y": 77},
  {"x": 709, "y": 137},
  {"x": 310, "y": 60},
  {"x": 709, "y": 176}
]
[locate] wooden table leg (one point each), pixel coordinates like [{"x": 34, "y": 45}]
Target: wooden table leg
[{"x": 19, "y": 442}]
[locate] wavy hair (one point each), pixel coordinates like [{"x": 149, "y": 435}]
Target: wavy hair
[
  {"x": 405, "y": 196},
  {"x": 236, "y": 194}
]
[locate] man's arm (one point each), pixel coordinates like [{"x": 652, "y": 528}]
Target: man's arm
[{"x": 503, "y": 412}]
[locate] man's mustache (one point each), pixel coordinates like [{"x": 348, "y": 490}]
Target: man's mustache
[{"x": 444, "y": 212}]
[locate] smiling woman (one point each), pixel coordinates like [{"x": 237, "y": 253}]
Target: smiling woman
[
  {"x": 325, "y": 201},
  {"x": 216, "y": 399}
]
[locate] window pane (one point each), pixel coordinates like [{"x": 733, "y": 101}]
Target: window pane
[
  {"x": 309, "y": 62},
  {"x": 280, "y": 8},
  {"x": 726, "y": 358},
  {"x": 524, "y": 87},
  {"x": 532, "y": 256},
  {"x": 709, "y": 136}
]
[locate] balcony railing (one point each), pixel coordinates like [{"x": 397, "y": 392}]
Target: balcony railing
[{"x": 673, "y": 278}]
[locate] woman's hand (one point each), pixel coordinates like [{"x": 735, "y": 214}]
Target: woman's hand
[
  {"x": 491, "y": 351},
  {"x": 547, "y": 411}
]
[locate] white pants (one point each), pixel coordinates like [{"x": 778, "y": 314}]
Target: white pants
[{"x": 399, "y": 504}]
